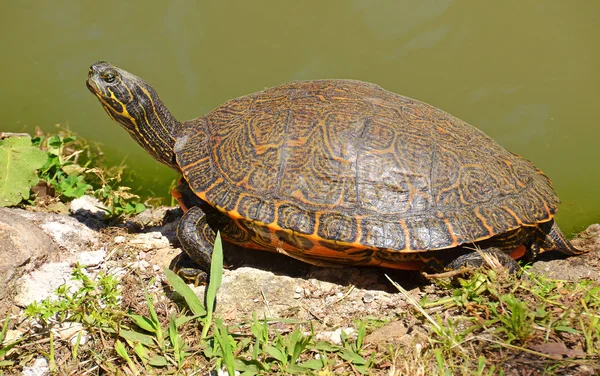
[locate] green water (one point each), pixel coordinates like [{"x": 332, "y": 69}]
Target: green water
[{"x": 525, "y": 72}]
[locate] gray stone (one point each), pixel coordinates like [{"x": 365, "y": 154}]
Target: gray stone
[
  {"x": 89, "y": 204},
  {"x": 67, "y": 232},
  {"x": 23, "y": 247},
  {"x": 40, "y": 367},
  {"x": 92, "y": 258},
  {"x": 41, "y": 283}
]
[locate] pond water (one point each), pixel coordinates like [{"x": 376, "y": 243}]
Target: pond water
[{"x": 526, "y": 73}]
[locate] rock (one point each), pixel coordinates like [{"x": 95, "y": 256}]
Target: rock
[
  {"x": 335, "y": 337},
  {"x": 42, "y": 246},
  {"x": 69, "y": 331},
  {"x": 12, "y": 335},
  {"x": 88, "y": 204},
  {"x": 247, "y": 289},
  {"x": 368, "y": 297},
  {"x": 67, "y": 232},
  {"x": 150, "y": 240},
  {"x": 152, "y": 216},
  {"x": 41, "y": 283},
  {"x": 23, "y": 247},
  {"x": 92, "y": 258},
  {"x": 39, "y": 368},
  {"x": 575, "y": 268},
  {"x": 393, "y": 331}
]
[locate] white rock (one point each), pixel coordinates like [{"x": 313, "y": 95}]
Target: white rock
[
  {"x": 87, "y": 203},
  {"x": 151, "y": 240},
  {"x": 142, "y": 264},
  {"x": 335, "y": 336},
  {"x": 119, "y": 239},
  {"x": 69, "y": 233},
  {"x": 368, "y": 297},
  {"x": 92, "y": 258},
  {"x": 39, "y": 368},
  {"x": 41, "y": 283},
  {"x": 69, "y": 331},
  {"x": 11, "y": 336}
]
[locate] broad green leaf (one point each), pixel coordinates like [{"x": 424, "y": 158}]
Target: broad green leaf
[
  {"x": 120, "y": 348},
  {"x": 192, "y": 300},
  {"x": 216, "y": 276},
  {"x": 134, "y": 336},
  {"x": 19, "y": 162},
  {"x": 276, "y": 353},
  {"x": 158, "y": 361},
  {"x": 326, "y": 346},
  {"x": 562, "y": 328},
  {"x": 352, "y": 357},
  {"x": 174, "y": 335},
  {"x": 143, "y": 322},
  {"x": 314, "y": 364},
  {"x": 216, "y": 273},
  {"x": 141, "y": 351}
]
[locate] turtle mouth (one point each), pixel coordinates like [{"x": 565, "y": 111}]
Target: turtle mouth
[
  {"x": 94, "y": 80},
  {"x": 90, "y": 86},
  {"x": 90, "y": 83}
]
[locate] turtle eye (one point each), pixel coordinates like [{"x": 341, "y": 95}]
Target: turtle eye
[{"x": 109, "y": 77}]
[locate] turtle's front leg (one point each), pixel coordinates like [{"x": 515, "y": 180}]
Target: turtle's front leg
[{"x": 197, "y": 239}]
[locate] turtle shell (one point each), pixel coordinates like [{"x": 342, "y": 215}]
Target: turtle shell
[{"x": 343, "y": 169}]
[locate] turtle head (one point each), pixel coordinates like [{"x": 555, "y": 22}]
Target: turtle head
[{"x": 133, "y": 103}]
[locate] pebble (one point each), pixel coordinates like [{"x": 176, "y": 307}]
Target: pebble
[
  {"x": 368, "y": 297},
  {"x": 119, "y": 239},
  {"x": 69, "y": 331},
  {"x": 298, "y": 292},
  {"x": 87, "y": 203},
  {"x": 335, "y": 337},
  {"x": 40, "y": 367},
  {"x": 93, "y": 258}
]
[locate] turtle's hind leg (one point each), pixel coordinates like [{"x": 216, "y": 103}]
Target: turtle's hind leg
[{"x": 476, "y": 259}]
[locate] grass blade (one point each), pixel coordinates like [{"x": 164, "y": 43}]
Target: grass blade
[
  {"x": 191, "y": 299},
  {"x": 216, "y": 276}
]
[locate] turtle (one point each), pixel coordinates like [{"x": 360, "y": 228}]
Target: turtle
[{"x": 337, "y": 172}]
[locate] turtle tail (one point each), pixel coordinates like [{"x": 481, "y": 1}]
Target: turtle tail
[{"x": 561, "y": 243}]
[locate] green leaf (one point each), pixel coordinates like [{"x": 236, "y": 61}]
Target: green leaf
[
  {"x": 216, "y": 276},
  {"x": 326, "y": 346},
  {"x": 120, "y": 348},
  {"x": 174, "y": 337},
  {"x": 141, "y": 351},
  {"x": 143, "y": 322},
  {"x": 223, "y": 339},
  {"x": 562, "y": 328},
  {"x": 192, "y": 300},
  {"x": 158, "y": 361},
  {"x": 216, "y": 273},
  {"x": 134, "y": 337},
  {"x": 352, "y": 357},
  {"x": 19, "y": 162},
  {"x": 276, "y": 353},
  {"x": 314, "y": 364}
]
